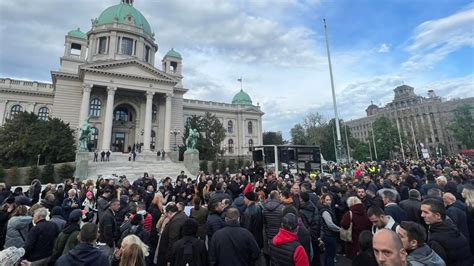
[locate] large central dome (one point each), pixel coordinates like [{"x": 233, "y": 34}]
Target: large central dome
[{"x": 120, "y": 12}]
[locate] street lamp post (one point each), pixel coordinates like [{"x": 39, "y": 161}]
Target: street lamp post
[
  {"x": 38, "y": 162},
  {"x": 175, "y": 132}
]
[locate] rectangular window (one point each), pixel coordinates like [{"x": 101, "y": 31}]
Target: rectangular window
[
  {"x": 147, "y": 53},
  {"x": 127, "y": 46},
  {"x": 76, "y": 49},
  {"x": 102, "y": 45}
]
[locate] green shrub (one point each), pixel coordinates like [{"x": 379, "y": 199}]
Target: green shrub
[
  {"x": 2, "y": 174},
  {"x": 222, "y": 166},
  {"x": 33, "y": 173},
  {"x": 13, "y": 176},
  {"x": 232, "y": 166},
  {"x": 248, "y": 163},
  {"x": 214, "y": 166},
  {"x": 47, "y": 176},
  {"x": 66, "y": 171},
  {"x": 203, "y": 166},
  {"x": 240, "y": 163}
]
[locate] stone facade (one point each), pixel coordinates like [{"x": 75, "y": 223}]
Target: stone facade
[
  {"x": 109, "y": 75},
  {"x": 425, "y": 117}
]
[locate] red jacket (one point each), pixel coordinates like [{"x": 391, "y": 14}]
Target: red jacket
[{"x": 300, "y": 258}]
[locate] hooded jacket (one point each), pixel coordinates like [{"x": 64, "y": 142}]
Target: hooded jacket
[
  {"x": 424, "y": 255},
  {"x": 360, "y": 222},
  {"x": 84, "y": 254},
  {"x": 17, "y": 229},
  {"x": 284, "y": 246},
  {"x": 66, "y": 240},
  {"x": 446, "y": 240},
  {"x": 311, "y": 219}
]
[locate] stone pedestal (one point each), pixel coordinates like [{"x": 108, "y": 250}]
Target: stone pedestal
[
  {"x": 191, "y": 161},
  {"x": 174, "y": 156},
  {"x": 82, "y": 165}
]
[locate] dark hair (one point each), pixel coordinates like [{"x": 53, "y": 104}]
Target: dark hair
[
  {"x": 375, "y": 210},
  {"x": 219, "y": 186},
  {"x": 365, "y": 241},
  {"x": 436, "y": 206},
  {"x": 389, "y": 195},
  {"x": 114, "y": 200},
  {"x": 171, "y": 208},
  {"x": 304, "y": 196},
  {"x": 290, "y": 209},
  {"x": 213, "y": 205},
  {"x": 88, "y": 233},
  {"x": 197, "y": 203},
  {"x": 415, "y": 231}
]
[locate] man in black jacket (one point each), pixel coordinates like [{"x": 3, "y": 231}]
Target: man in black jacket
[
  {"x": 412, "y": 206},
  {"x": 391, "y": 207},
  {"x": 189, "y": 250},
  {"x": 252, "y": 218},
  {"x": 455, "y": 211},
  {"x": 171, "y": 234},
  {"x": 40, "y": 239},
  {"x": 233, "y": 245},
  {"x": 444, "y": 237},
  {"x": 85, "y": 253},
  {"x": 108, "y": 228},
  {"x": 272, "y": 215},
  {"x": 311, "y": 219}
]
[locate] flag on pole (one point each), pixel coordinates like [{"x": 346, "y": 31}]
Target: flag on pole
[{"x": 239, "y": 79}]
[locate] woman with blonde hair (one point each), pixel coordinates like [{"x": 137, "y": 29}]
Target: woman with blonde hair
[
  {"x": 357, "y": 216},
  {"x": 468, "y": 195},
  {"x": 132, "y": 252}
]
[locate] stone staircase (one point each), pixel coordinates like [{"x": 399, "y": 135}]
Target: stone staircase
[{"x": 150, "y": 163}]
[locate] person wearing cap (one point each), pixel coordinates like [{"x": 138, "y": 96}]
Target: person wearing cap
[
  {"x": 67, "y": 239},
  {"x": 252, "y": 218},
  {"x": 233, "y": 245},
  {"x": 285, "y": 248}
]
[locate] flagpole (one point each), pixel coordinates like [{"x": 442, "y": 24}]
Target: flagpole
[{"x": 336, "y": 115}]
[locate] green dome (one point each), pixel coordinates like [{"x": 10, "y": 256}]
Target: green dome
[
  {"x": 173, "y": 53},
  {"x": 121, "y": 11},
  {"x": 77, "y": 33},
  {"x": 242, "y": 98}
]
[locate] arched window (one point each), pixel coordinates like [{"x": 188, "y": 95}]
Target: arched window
[
  {"x": 43, "y": 113},
  {"x": 95, "y": 106},
  {"x": 122, "y": 114},
  {"x": 153, "y": 140},
  {"x": 250, "y": 144},
  {"x": 154, "y": 112},
  {"x": 230, "y": 126},
  {"x": 250, "y": 127},
  {"x": 94, "y": 138},
  {"x": 230, "y": 144},
  {"x": 15, "y": 110}
]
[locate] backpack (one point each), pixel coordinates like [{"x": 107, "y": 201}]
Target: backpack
[{"x": 188, "y": 254}]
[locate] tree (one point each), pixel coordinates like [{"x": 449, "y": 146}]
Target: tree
[
  {"x": 212, "y": 133},
  {"x": 463, "y": 125},
  {"x": 2, "y": 173},
  {"x": 25, "y": 137},
  {"x": 386, "y": 137},
  {"x": 272, "y": 138},
  {"x": 298, "y": 135}
]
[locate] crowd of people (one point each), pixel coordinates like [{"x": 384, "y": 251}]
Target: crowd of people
[{"x": 414, "y": 212}]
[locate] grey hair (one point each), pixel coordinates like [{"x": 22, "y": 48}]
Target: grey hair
[
  {"x": 42, "y": 213},
  {"x": 351, "y": 201}
]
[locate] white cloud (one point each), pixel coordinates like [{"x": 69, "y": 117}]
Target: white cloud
[
  {"x": 384, "y": 48},
  {"x": 433, "y": 40}
]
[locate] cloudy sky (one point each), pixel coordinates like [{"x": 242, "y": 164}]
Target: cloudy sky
[{"x": 277, "y": 46}]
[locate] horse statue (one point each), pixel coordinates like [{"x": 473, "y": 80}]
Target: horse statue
[
  {"x": 85, "y": 134},
  {"x": 191, "y": 140}
]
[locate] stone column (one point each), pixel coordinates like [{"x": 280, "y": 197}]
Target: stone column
[
  {"x": 109, "y": 115},
  {"x": 148, "y": 110},
  {"x": 86, "y": 97},
  {"x": 167, "y": 146},
  {"x": 3, "y": 107}
]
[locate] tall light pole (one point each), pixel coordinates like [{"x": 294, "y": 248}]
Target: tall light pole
[
  {"x": 175, "y": 132},
  {"x": 414, "y": 140},
  {"x": 400, "y": 139},
  {"x": 373, "y": 140},
  {"x": 347, "y": 145},
  {"x": 336, "y": 115}
]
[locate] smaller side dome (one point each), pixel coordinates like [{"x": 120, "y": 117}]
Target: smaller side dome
[
  {"x": 173, "y": 53},
  {"x": 242, "y": 98},
  {"x": 77, "y": 33}
]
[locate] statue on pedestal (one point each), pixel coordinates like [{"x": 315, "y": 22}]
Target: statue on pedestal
[
  {"x": 191, "y": 140},
  {"x": 85, "y": 134}
]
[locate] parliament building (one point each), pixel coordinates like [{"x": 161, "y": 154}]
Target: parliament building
[{"x": 109, "y": 75}]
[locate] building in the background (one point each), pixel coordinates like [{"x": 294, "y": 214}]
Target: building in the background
[
  {"x": 425, "y": 117},
  {"x": 109, "y": 75}
]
